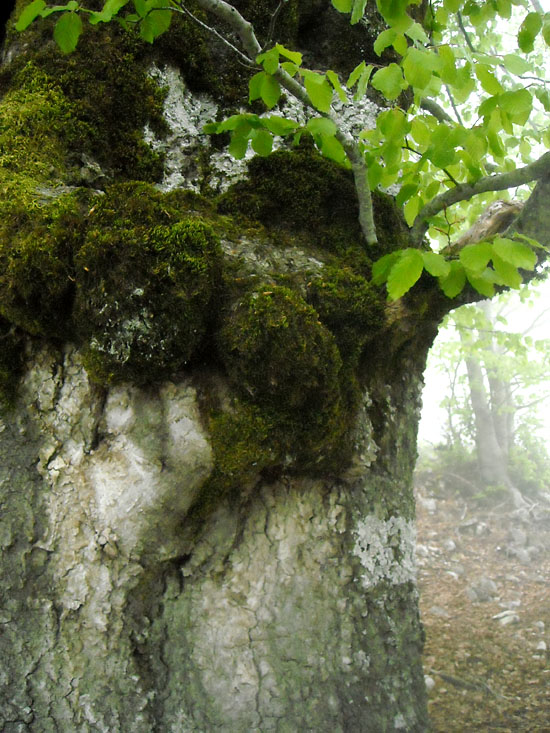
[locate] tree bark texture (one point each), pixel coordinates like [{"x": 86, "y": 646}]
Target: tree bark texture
[{"x": 209, "y": 420}]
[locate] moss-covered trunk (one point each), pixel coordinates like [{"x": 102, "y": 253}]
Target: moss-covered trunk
[{"x": 209, "y": 412}]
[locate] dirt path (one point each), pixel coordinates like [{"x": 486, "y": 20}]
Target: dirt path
[{"x": 487, "y": 674}]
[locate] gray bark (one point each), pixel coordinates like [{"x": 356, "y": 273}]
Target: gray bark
[{"x": 295, "y": 609}]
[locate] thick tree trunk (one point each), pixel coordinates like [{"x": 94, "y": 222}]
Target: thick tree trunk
[
  {"x": 295, "y": 608},
  {"x": 206, "y": 502}
]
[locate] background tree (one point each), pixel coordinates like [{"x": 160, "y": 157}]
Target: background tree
[
  {"x": 207, "y": 517},
  {"x": 496, "y": 375}
]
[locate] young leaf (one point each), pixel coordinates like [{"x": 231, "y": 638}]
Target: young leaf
[
  {"x": 270, "y": 91},
  {"x": 280, "y": 125},
  {"x": 293, "y": 56},
  {"x": 389, "y": 81},
  {"x": 355, "y": 74},
  {"x": 516, "y": 253},
  {"x": 269, "y": 60},
  {"x": 528, "y": 31},
  {"x": 262, "y": 142},
  {"x": 335, "y": 81},
  {"x": 381, "y": 268},
  {"x": 29, "y": 13},
  {"x": 385, "y": 39},
  {"x": 154, "y": 24},
  {"x": 475, "y": 257},
  {"x": 332, "y": 149},
  {"x": 436, "y": 264},
  {"x": 483, "y": 283},
  {"x": 319, "y": 91},
  {"x": 508, "y": 274},
  {"x": 358, "y": 11},
  {"x": 453, "y": 283},
  {"x": 344, "y": 6},
  {"x": 488, "y": 81},
  {"x": 67, "y": 32},
  {"x": 405, "y": 273}
]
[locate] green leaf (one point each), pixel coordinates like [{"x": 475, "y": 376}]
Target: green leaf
[
  {"x": 29, "y": 13},
  {"x": 355, "y": 74},
  {"x": 155, "y": 24},
  {"x": 141, "y": 7},
  {"x": 344, "y": 6},
  {"x": 262, "y": 142},
  {"x": 293, "y": 56},
  {"x": 436, "y": 264},
  {"x": 528, "y": 31},
  {"x": 381, "y": 268},
  {"x": 270, "y": 91},
  {"x": 269, "y": 60},
  {"x": 67, "y": 31},
  {"x": 385, "y": 39},
  {"x": 488, "y": 81},
  {"x": 516, "y": 253},
  {"x": 517, "y": 105},
  {"x": 453, "y": 6},
  {"x": 417, "y": 68},
  {"x": 238, "y": 145},
  {"x": 475, "y": 257},
  {"x": 110, "y": 9},
  {"x": 335, "y": 81},
  {"x": 332, "y": 149},
  {"x": 363, "y": 82},
  {"x": 280, "y": 125},
  {"x": 484, "y": 283},
  {"x": 516, "y": 64},
  {"x": 389, "y": 81},
  {"x": 453, "y": 283},
  {"x": 321, "y": 126},
  {"x": 394, "y": 13},
  {"x": 255, "y": 86},
  {"x": 319, "y": 91},
  {"x": 507, "y": 273},
  {"x": 405, "y": 273},
  {"x": 358, "y": 11}
]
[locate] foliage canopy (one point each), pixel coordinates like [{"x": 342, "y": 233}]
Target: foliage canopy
[{"x": 463, "y": 117}]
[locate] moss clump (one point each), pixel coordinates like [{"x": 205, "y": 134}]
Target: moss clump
[
  {"x": 279, "y": 355},
  {"x": 301, "y": 192},
  {"x": 349, "y": 306},
  {"x": 275, "y": 348},
  {"x": 110, "y": 96},
  {"x": 145, "y": 278}
]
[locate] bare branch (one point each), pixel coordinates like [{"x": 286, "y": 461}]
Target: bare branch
[{"x": 465, "y": 191}]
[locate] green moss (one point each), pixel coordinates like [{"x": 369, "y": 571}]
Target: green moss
[
  {"x": 145, "y": 279},
  {"x": 301, "y": 192},
  {"x": 349, "y": 306},
  {"x": 275, "y": 348},
  {"x": 109, "y": 95},
  {"x": 279, "y": 355},
  {"x": 242, "y": 446}
]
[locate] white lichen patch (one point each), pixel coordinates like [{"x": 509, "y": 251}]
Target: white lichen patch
[
  {"x": 186, "y": 114},
  {"x": 385, "y": 550}
]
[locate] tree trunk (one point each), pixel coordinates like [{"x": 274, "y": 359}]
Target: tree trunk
[{"x": 209, "y": 430}]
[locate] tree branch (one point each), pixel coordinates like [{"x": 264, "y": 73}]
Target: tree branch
[
  {"x": 245, "y": 31},
  {"x": 465, "y": 191}
]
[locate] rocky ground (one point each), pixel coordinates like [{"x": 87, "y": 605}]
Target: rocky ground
[{"x": 484, "y": 578}]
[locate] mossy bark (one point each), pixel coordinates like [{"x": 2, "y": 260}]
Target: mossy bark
[{"x": 207, "y": 514}]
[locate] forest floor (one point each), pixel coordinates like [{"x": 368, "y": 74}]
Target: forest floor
[{"x": 484, "y": 579}]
